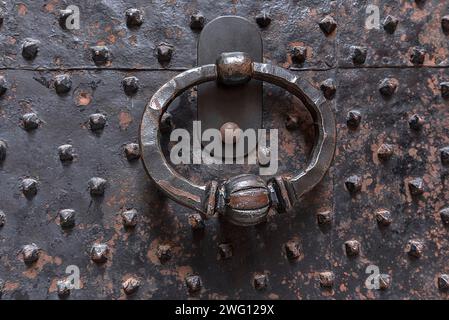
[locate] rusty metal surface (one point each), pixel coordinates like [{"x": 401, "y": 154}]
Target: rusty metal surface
[{"x": 319, "y": 252}]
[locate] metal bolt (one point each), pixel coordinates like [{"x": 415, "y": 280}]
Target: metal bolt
[
  {"x": 66, "y": 152},
  {"x": 299, "y": 54},
  {"x": 29, "y": 187},
  {"x": 358, "y": 54},
  {"x": 353, "y": 119},
  {"x": 100, "y": 54},
  {"x": 130, "y": 85},
  {"x": 130, "y": 285},
  {"x": 385, "y": 151},
  {"x": 388, "y": 86},
  {"x": 443, "y": 282},
  {"x": 30, "y": 253},
  {"x": 196, "y": 221},
  {"x": 263, "y": 155},
  {"x": 129, "y": 218},
  {"x": 63, "y": 288},
  {"x": 327, "y": 279},
  {"x": 260, "y": 281},
  {"x": 415, "y": 122},
  {"x": 97, "y": 186},
  {"x": 63, "y": 16},
  {"x": 444, "y": 87},
  {"x": 2, "y": 218},
  {"x": 418, "y": 55},
  {"x": 292, "y": 249},
  {"x": 30, "y": 121},
  {"x": 383, "y": 218},
  {"x": 3, "y": 85},
  {"x": 445, "y": 24},
  {"x": 3, "y": 148},
  {"x": 414, "y": 248},
  {"x": 328, "y": 88},
  {"x": 164, "y": 252},
  {"x": 263, "y": 19},
  {"x": 164, "y": 52},
  {"x": 444, "y": 154},
  {"x": 384, "y": 281},
  {"x": 166, "y": 122},
  {"x": 132, "y": 151},
  {"x": 328, "y": 25},
  {"x": 324, "y": 217},
  {"x": 416, "y": 186},
  {"x": 230, "y": 132},
  {"x": 134, "y": 18},
  {"x": 353, "y": 184},
  {"x": 67, "y": 218},
  {"x": 225, "y": 250},
  {"x": 99, "y": 252},
  {"x": 390, "y": 24},
  {"x": 193, "y": 283},
  {"x": 63, "y": 83},
  {"x": 444, "y": 214},
  {"x": 291, "y": 122},
  {"x": 97, "y": 121},
  {"x": 197, "y": 21},
  {"x": 352, "y": 248},
  {"x": 30, "y": 48}
]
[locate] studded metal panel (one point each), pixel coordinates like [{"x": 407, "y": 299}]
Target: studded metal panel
[{"x": 73, "y": 191}]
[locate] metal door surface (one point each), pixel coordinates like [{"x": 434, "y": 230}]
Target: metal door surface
[{"x": 376, "y": 226}]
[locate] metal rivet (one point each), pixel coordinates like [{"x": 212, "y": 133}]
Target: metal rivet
[
  {"x": 445, "y": 24},
  {"x": 353, "y": 119},
  {"x": 327, "y": 279},
  {"x": 225, "y": 250},
  {"x": 415, "y": 122},
  {"x": 3, "y": 85},
  {"x": 324, "y": 217},
  {"x": 63, "y": 288},
  {"x": 328, "y": 88},
  {"x": 292, "y": 249},
  {"x": 197, "y": 21},
  {"x": 3, "y": 149},
  {"x": 67, "y": 218},
  {"x": 134, "y": 18},
  {"x": 100, "y": 54},
  {"x": 444, "y": 215},
  {"x": 230, "y": 133},
  {"x": 130, "y": 285},
  {"x": 291, "y": 122},
  {"x": 443, "y": 282},
  {"x": 30, "y": 48},
  {"x": 166, "y": 123},
  {"x": 390, "y": 24},
  {"x": 99, "y": 252},
  {"x": 353, "y": 184},
  {"x": 164, "y": 252},
  {"x": 2, "y": 218},
  {"x": 97, "y": 121},
  {"x": 385, "y": 151},
  {"x": 299, "y": 54},
  {"x": 263, "y": 19},
  {"x": 384, "y": 281},
  {"x": 30, "y": 253},
  {"x": 196, "y": 222},
  {"x": 388, "y": 86},
  {"x": 130, "y": 85},
  {"x": 416, "y": 186},
  {"x": 30, "y": 121},
  {"x": 383, "y": 218},
  {"x": 193, "y": 283},
  {"x": 414, "y": 248},
  {"x": 62, "y": 83},
  {"x": 444, "y": 87},
  {"x": 263, "y": 155},
  {"x": 129, "y": 218},
  {"x": 352, "y": 248},
  {"x": 29, "y": 187},
  {"x": 328, "y": 25},
  {"x": 63, "y": 16},
  {"x": 444, "y": 155},
  {"x": 97, "y": 186},
  {"x": 418, "y": 55},
  {"x": 66, "y": 152},
  {"x": 132, "y": 151},
  {"x": 164, "y": 52},
  {"x": 358, "y": 54},
  {"x": 260, "y": 281}
]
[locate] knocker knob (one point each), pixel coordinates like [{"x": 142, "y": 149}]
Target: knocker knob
[
  {"x": 244, "y": 200},
  {"x": 234, "y": 68}
]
